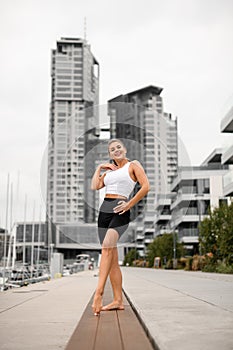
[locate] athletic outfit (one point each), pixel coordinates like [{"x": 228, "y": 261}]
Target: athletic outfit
[{"x": 117, "y": 182}]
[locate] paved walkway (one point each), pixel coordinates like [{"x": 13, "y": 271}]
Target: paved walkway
[
  {"x": 180, "y": 310},
  {"x": 43, "y": 316},
  {"x": 183, "y": 310}
]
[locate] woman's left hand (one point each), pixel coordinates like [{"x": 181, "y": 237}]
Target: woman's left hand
[{"x": 121, "y": 208}]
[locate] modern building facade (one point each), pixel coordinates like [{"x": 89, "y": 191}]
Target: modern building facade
[
  {"x": 227, "y": 157},
  {"x": 163, "y": 214},
  {"x": 73, "y": 117},
  {"x": 31, "y": 242},
  {"x": 197, "y": 190},
  {"x": 4, "y": 241}
]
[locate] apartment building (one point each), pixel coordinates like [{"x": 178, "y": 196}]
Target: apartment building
[
  {"x": 227, "y": 157},
  {"x": 73, "y": 117},
  {"x": 150, "y": 136},
  {"x": 196, "y": 189}
]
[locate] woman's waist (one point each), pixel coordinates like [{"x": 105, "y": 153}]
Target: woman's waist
[{"x": 114, "y": 196}]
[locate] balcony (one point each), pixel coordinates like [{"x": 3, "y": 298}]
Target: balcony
[
  {"x": 228, "y": 183},
  {"x": 190, "y": 239},
  {"x": 163, "y": 231},
  {"x": 227, "y": 157},
  {"x": 139, "y": 238},
  {"x": 140, "y": 246},
  {"x": 186, "y": 215},
  {"x": 161, "y": 202},
  {"x": 162, "y": 217},
  {"x": 227, "y": 122},
  {"x": 148, "y": 240},
  {"x": 184, "y": 197}
]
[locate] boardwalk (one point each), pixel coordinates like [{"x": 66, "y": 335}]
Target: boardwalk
[{"x": 180, "y": 310}]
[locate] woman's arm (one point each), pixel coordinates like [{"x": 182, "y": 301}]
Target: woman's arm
[
  {"x": 139, "y": 175},
  {"x": 97, "y": 181}
]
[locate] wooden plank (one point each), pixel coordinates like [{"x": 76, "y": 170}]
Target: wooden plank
[
  {"x": 84, "y": 335},
  {"x": 132, "y": 333},
  {"x": 108, "y": 335},
  {"x": 115, "y": 330}
]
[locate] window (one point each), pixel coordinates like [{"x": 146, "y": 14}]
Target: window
[
  {"x": 63, "y": 77},
  {"x": 64, "y": 95},
  {"x": 63, "y": 71}
]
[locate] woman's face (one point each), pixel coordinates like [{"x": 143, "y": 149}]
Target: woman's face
[{"x": 117, "y": 150}]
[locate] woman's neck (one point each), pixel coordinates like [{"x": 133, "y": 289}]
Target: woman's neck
[{"x": 122, "y": 162}]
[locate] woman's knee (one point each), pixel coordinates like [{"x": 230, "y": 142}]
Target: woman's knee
[{"x": 107, "y": 251}]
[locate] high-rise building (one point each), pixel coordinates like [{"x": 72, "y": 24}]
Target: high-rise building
[
  {"x": 73, "y": 118},
  {"x": 150, "y": 136}
]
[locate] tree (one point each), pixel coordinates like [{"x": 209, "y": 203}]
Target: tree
[
  {"x": 162, "y": 247},
  {"x": 216, "y": 234},
  {"x": 131, "y": 256}
]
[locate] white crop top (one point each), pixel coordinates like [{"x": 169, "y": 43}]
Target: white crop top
[{"x": 119, "y": 181}]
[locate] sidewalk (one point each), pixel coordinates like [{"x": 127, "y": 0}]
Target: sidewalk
[
  {"x": 44, "y": 315},
  {"x": 180, "y": 310},
  {"x": 183, "y": 310}
]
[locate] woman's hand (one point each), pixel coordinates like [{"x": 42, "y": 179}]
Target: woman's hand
[
  {"x": 108, "y": 166},
  {"x": 122, "y": 207}
]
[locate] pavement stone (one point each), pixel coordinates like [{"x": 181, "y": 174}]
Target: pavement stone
[
  {"x": 181, "y": 309},
  {"x": 44, "y": 315}
]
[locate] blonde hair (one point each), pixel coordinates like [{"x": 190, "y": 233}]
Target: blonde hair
[{"x": 115, "y": 140}]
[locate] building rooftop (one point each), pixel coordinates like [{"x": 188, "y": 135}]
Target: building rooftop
[{"x": 148, "y": 89}]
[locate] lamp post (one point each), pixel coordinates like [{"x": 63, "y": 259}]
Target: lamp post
[
  {"x": 199, "y": 208},
  {"x": 174, "y": 250}
]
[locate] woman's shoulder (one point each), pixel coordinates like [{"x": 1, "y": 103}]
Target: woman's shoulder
[{"x": 135, "y": 162}]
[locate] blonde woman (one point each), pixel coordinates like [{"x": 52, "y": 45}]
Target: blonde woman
[{"x": 119, "y": 179}]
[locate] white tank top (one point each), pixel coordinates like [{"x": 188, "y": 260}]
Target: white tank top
[{"x": 119, "y": 181}]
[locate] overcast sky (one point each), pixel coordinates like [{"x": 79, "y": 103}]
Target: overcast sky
[{"x": 184, "y": 46}]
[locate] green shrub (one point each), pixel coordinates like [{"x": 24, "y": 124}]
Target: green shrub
[
  {"x": 209, "y": 268},
  {"x": 130, "y": 257},
  {"x": 223, "y": 268}
]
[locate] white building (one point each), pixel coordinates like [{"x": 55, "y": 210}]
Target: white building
[
  {"x": 197, "y": 189},
  {"x": 163, "y": 214},
  {"x": 227, "y": 157}
]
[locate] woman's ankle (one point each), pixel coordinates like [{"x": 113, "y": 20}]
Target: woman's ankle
[{"x": 99, "y": 292}]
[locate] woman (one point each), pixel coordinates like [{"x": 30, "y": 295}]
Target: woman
[{"x": 119, "y": 179}]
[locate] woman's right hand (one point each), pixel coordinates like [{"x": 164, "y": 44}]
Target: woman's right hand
[{"x": 108, "y": 166}]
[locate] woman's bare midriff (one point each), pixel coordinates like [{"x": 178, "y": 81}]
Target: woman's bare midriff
[{"x": 110, "y": 195}]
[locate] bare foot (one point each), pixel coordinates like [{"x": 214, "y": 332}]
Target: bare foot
[
  {"x": 113, "y": 306},
  {"x": 97, "y": 304}
]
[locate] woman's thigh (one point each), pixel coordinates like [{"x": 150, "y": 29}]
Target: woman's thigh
[{"x": 110, "y": 239}]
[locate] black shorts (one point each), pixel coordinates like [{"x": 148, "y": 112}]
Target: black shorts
[{"x": 108, "y": 219}]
